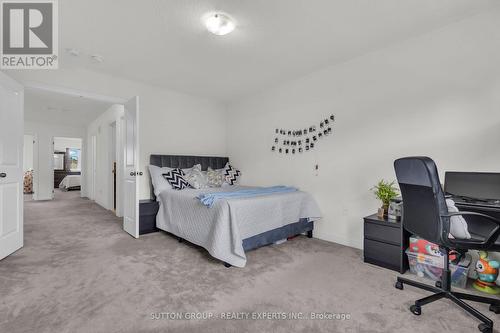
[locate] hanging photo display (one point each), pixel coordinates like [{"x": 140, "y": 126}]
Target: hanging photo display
[{"x": 288, "y": 141}]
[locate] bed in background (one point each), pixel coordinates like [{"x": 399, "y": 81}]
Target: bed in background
[
  {"x": 230, "y": 228},
  {"x": 71, "y": 183}
]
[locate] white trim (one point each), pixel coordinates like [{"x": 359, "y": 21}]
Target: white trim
[{"x": 73, "y": 92}]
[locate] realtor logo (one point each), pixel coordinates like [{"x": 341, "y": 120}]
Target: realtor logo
[{"x": 29, "y": 34}]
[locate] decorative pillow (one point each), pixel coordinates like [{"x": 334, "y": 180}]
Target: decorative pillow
[
  {"x": 196, "y": 178},
  {"x": 231, "y": 175},
  {"x": 458, "y": 225},
  {"x": 160, "y": 184},
  {"x": 215, "y": 178},
  {"x": 176, "y": 179}
]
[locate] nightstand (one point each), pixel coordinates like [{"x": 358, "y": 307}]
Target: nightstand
[
  {"x": 385, "y": 243},
  {"x": 147, "y": 216}
]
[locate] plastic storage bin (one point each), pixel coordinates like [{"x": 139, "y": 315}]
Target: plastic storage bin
[{"x": 431, "y": 267}]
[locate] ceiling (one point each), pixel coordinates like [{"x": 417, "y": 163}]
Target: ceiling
[
  {"x": 164, "y": 43},
  {"x": 63, "y": 109}
]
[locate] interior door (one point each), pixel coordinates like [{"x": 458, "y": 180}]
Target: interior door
[
  {"x": 131, "y": 165},
  {"x": 11, "y": 165}
]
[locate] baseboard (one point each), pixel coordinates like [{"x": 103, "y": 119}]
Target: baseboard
[{"x": 339, "y": 239}]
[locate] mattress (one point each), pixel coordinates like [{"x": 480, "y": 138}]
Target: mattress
[
  {"x": 222, "y": 228},
  {"x": 71, "y": 181}
]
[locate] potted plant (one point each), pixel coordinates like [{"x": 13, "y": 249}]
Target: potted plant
[{"x": 385, "y": 191}]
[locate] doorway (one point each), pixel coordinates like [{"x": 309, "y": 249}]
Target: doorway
[
  {"x": 67, "y": 162},
  {"x": 28, "y": 167},
  {"x": 112, "y": 160}
]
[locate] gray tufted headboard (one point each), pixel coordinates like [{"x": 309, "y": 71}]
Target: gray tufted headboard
[{"x": 186, "y": 161}]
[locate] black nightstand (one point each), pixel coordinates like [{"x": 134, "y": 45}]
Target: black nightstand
[
  {"x": 147, "y": 216},
  {"x": 385, "y": 243}
]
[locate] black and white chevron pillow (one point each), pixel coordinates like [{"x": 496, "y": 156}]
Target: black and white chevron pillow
[
  {"x": 231, "y": 174},
  {"x": 175, "y": 178}
]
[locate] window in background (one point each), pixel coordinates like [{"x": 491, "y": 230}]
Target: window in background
[{"x": 75, "y": 161}]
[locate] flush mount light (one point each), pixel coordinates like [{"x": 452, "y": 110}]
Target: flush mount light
[{"x": 219, "y": 23}]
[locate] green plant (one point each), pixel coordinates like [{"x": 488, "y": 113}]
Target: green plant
[{"x": 385, "y": 191}]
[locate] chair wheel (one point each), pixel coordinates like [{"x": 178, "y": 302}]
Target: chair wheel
[
  {"x": 399, "y": 285},
  {"x": 495, "y": 308},
  {"x": 485, "y": 328},
  {"x": 438, "y": 284},
  {"x": 416, "y": 310}
]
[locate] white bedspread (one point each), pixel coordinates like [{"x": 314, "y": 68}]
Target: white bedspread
[
  {"x": 70, "y": 181},
  {"x": 222, "y": 228}
]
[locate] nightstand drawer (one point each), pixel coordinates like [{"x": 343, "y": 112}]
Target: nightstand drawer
[
  {"x": 148, "y": 207},
  {"x": 382, "y": 254},
  {"x": 147, "y": 216},
  {"x": 147, "y": 224},
  {"x": 384, "y": 233}
]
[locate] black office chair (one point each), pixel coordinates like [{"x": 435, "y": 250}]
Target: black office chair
[{"x": 425, "y": 214}]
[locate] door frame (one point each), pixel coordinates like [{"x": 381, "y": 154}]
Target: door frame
[
  {"x": 35, "y": 162},
  {"x": 83, "y": 186}
]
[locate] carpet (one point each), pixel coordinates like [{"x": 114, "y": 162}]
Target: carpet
[{"x": 80, "y": 272}]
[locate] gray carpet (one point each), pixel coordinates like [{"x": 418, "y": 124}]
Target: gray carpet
[{"x": 79, "y": 272}]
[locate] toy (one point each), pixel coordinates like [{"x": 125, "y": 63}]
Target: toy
[
  {"x": 419, "y": 245},
  {"x": 487, "y": 271}
]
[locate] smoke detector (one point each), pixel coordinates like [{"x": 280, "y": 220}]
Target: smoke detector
[
  {"x": 74, "y": 52},
  {"x": 97, "y": 58}
]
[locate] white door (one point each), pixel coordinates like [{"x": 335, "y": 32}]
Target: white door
[
  {"x": 131, "y": 166},
  {"x": 11, "y": 165}
]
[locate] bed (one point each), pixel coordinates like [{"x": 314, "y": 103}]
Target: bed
[
  {"x": 232, "y": 226},
  {"x": 71, "y": 183}
]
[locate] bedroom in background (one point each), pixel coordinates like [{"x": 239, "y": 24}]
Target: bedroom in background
[{"x": 67, "y": 156}]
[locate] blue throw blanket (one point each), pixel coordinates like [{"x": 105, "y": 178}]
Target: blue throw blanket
[{"x": 208, "y": 199}]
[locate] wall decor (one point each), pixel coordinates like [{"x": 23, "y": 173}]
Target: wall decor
[{"x": 292, "y": 139}]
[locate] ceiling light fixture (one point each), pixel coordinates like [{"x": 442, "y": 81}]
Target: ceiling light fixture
[{"x": 219, "y": 23}]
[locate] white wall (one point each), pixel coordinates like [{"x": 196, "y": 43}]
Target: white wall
[
  {"x": 28, "y": 152},
  {"x": 60, "y": 144},
  {"x": 101, "y": 128},
  {"x": 169, "y": 122},
  {"x": 435, "y": 95},
  {"x": 43, "y": 180}
]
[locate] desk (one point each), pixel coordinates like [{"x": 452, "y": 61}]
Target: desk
[
  {"x": 492, "y": 210},
  {"x": 385, "y": 242}
]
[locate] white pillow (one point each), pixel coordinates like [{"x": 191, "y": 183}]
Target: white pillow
[
  {"x": 215, "y": 177},
  {"x": 197, "y": 178},
  {"x": 159, "y": 182},
  {"x": 458, "y": 225}
]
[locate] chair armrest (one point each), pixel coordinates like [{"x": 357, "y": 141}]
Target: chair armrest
[
  {"x": 492, "y": 237},
  {"x": 488, "y": 217}
]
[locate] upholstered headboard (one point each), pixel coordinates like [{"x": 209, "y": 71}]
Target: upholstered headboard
[{"x": 186, "y": 161}]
